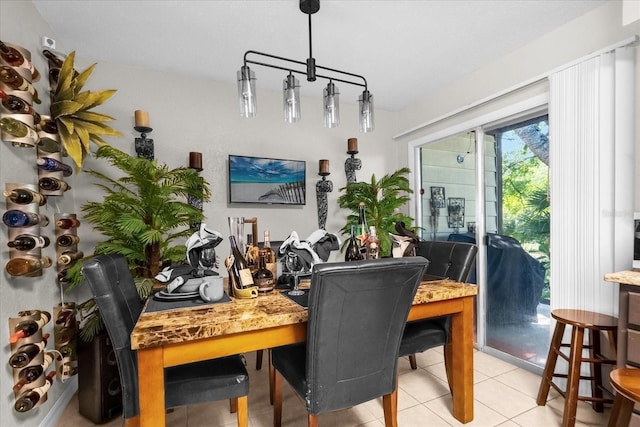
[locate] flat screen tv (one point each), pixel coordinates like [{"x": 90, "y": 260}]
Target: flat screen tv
[{"x": 266, "y": 180}]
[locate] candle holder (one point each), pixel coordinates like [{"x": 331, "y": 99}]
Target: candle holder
[
  {"x": 144, "y": 145},
  {"x": 323, "y": 187},
  {"x": 351, "y": 165}
]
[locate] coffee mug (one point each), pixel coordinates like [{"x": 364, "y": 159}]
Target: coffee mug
[{"x": 211, "y": 289}]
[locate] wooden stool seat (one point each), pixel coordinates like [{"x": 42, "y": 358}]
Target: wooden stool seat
[
  {"x": 626, "y": 382},
  {"x": 579, "y": 320}
]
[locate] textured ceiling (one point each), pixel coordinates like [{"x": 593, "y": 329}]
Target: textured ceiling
[{"x": 405, "y": 49}]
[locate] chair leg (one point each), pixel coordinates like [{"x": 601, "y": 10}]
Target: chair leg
[
  {"x": 412, "y": 361},
  {"x": 259, "y": 359},
  {"x": 573, "y": 379},
  {"x": 233, "y": 405},
  {"x": 390, "y": 405},
  {"x": 272, "y": 374},
  {"x": 312, "y": 420},
  {"x": 596, "y": 369},
  {"x": 621, "y": 411},
  {"x": 243, "y": 411},
  {"x": 277, "y": 400}
]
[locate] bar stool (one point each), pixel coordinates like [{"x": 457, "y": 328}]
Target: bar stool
[
  {"x": 579, "y": 320},
  {"x": 626, "y": 382}
]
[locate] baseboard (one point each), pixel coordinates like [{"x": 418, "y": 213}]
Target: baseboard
[{"x": 52, "y": 417}]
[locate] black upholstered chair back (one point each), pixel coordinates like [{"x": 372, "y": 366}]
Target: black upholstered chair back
[
  {"x": 120, "y": 306},
  {"x": 453, "y": 260},
  {"x": 357, "y": 314}
]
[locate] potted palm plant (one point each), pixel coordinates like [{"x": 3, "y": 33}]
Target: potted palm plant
[
  {"x": 144, "y": 217},
  {"x": 382, "y": 199}
]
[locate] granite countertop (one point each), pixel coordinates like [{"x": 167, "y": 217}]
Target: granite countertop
[
  {"x": 239, "y": 315},
  {"x": 627, "y": 277}
]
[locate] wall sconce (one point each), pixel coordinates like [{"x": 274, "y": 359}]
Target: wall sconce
[
  {"x": 143, "y": 145},
  {"x": 352, "y": 164},
  {"x": 323, "y": 187}
]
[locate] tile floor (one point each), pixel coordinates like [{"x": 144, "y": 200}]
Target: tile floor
[{"x": 505, "y": 396}]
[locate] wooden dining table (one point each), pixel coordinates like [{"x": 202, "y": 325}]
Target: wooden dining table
[{"x": 177, "y": 336}]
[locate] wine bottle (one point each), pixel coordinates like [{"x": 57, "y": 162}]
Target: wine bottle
[
  {"x": 27, "y": 352},
  {"x": 26, "y": 328},
  {"x": 16, "y": 218},
  {"x": 29, "y": 399},
  {"x": 373, "y": 244},
  {"x": 15, "y": 58},
  {"x": 240, "y": 266},
  {"x": 15, "y": 81},
  {"x": 67, "y": 257},
  {"x": 17, "y": 105},
  {"x": 362, "y": 229},
  {"x": 27, "y": 265},
  {"x": 270, "y": 255},
  {"x": 53, "y": 184},
  {"x": 26, "y": 242},
  {"x": 352, "y": 253},
  {"x": 53, "y": 165},
  {"x": 263, "y": 278},
  {"x": 23, "y": 196},
  {"x": 251, "y": 254},
  {"x": 67, "y": 223},
  {"x": 16, "y": 128},
  {"x": 31, "y": 373},
  {"x": 66, "y": 240}
]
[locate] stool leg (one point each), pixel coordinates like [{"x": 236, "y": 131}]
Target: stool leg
[
  {"x": 596, "y": 369},
  {"x": 573, "y": 378},
  {"x": 550, "y": 366}
]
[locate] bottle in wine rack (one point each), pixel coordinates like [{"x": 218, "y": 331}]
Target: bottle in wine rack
[
  {"x": 67, "y": 223},
  {"x": 240, "y": 267},
  {"x": 17, "y": 105},
  {"x": 53, "y": 165},
  {"x": 15, "y": 218},
  {"x": 15, "y": 58},
  {"x": 26, "y": 242},
  {"x": 53, "y": 184},
  {"x": 68, "y": 257},
  {"x": 29, "y": 399},
  {"x": 66, "y": 240},
  {"x": 27, "y": 352},
  {"x": 16, "y": 128},
  {"x": 270, "y": 255},
  {"x": 24, "y": 196},
  {"x": 27, "y": 265},
  {"x": 15, "y": 81},
  {"x": 26, "y": 328}
]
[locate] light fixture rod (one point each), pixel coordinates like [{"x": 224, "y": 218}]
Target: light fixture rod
[{"x": 280, "y": 58}]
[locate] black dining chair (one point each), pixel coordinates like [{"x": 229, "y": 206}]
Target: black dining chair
[
  {"x": 357, "y": 313},
  {"x": 120, "y": 306},
  {"x": 452, "y": 260}
]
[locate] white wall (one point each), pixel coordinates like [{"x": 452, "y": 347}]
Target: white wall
[{"x": 186, "y": 115}]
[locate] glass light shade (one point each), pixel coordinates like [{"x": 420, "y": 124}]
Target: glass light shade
[
  {"x": 291, "y": 99},
  {"x": 247, "y": 92},
  {"x": 365, "y": 103},
  {"x": 331, "y": 106}
]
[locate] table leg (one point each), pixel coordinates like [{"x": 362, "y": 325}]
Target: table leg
[
  {"x": 151, "y": 387},
  {"x": 462, "y": 362}
]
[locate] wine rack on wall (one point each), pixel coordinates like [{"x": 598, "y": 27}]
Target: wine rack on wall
[
  {"x": 23, "y": 128},
  {"x": 31, "y": 381}
]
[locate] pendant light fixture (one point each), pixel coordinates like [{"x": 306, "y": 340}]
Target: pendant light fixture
[{"x": 291, "y": 94}]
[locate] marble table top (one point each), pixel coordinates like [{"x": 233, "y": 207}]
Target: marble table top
[
  {"x": 627, "y": 277},
  {"x": 240, "y": 315}
]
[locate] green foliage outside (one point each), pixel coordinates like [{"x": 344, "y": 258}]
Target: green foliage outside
[{"x": 526, "y": 204}]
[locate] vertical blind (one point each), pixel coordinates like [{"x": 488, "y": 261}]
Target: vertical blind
[{"x": 591, "y": 179}]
